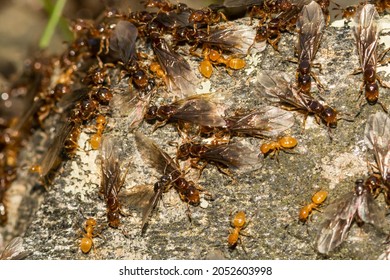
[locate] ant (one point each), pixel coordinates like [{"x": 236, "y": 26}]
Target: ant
[
  {"x": 270, "y": 30},
  {"x": 96, "y": 139},
  {"x": 311, "y": 24},
  {"x": 172, "y": 176},
  {"x": 112, "y": 180},
  {"x": 238, "y": 223},
  {"x": 358, "y": 205},
  {"x": 273, "y": 147},
  {"x": 348, "y": 13},
  {"x": 86, "y": 243},
  {"x": 213, "y": 57},
  {"x": 156, "y": 69},
  {"x": 206, "y": 16},
  {"x": 367, "y": 37},
  {"x": 288, "y": 96},
  {"x": 316, "y": 200},
  {"x": 226, "y": 157}
]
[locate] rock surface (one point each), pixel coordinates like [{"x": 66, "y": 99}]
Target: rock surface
[{"x": 271, "y": 195}]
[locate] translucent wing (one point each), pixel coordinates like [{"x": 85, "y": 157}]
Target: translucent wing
[
  {"x": 174, "y": 19},
  {"x": 14, "y": 250},
  {"x": 232, "y": 155},
  {"x": 131, "y": 106},
  {"x": 199, "y": 109},
  {"x": 111, "y": 180},
  {"x": 267, "y": 121},
  {"x": 154, "y": 156},
  {"x": 234, "y": 39},
  {"x": 68, "y": 101},
  {"x": 152, "y": 203},
  {"x": 377, "y": 139},
  {"x": 338, "y": 219},
  {"x": 377, "y": 131},
  {"x": 369, "y": 211},
  {"x": 332, "y": 234},
  {"x": 366, "y": 33},
  {"x": 52, "y": 157},
  {"x": 122, "y": 40},
  {"x": 241, "y": 3},
  {"x": 276, "y": 88},
  {"x": 181, "y": 79},
  {"x": 144, "y": 199},
  {"x": 311, "y": 24},
  {"x": 340, "y": 214}
]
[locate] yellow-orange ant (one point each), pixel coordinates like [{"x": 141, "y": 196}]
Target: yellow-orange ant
[
  {"x": 273, "y": 147},
  {"x": 213, "y": 57},
  {"x": 238, "y": 223},
  {"x": 87, "y": 241},
  {"x": 96, "y": 139},
  {"x": 317, "y": 199}
]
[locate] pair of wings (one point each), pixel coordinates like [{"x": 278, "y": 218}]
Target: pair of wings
[
  {"x": 366, "y": 32},
  {"x": 340, "y": 214}
]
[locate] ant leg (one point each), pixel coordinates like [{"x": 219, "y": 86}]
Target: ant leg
[
  {"x": 361, "y": 105},
  {"x": 330, "y": 133},
  {"x": 274, "y": 42},
  {"x": 381, "y": 60},
  {"x": 382, "y": 83},
  {"x": 124, "y": 213},
  {"x": 360, "y": 92},
  {"x": 242, "y": 245},
  {"x": 357, "y": 71},
  {"x": 158, "y": 125},
  {"x": 304, "y": 122},
  {"x": 222, "y": 16},
  {"x": 317, "y": 81},
  {"x": 275, "y": 154},
  {"x": 227, "y": 172},
  {"x": 188, "y": 212},
  {"x": 383, "y": 107},
  {"x": 292, "y": 59},
  {"x": 195, "y": 164},
  {"x": 193, "y": 52},
  {"x": 317, "y": 65}
]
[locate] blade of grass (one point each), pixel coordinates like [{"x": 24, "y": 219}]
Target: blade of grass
[
  {"x": 63, "y": 24},
  {"x": 52, "y": 23}
]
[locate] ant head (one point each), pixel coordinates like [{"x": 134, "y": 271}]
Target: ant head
[
  {"x": 359, "y": 187},
  {"x": 191, "y": 194},
  {"x": 285, "y": 5},
  {"x": 113, "y": 218},
  {"x": 104, "y": 95},
  {"x": 140, "y": 79},
  {"x": 151, "y": 114},
  {"x": 329, "y": 115},
  {"x": 372, "y": 93},
  {"x": 183, "y": 152},
  {"x": 196, "y": 16}
]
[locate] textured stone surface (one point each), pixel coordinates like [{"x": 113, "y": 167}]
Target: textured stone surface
[{"x": 271, "y": 196}]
